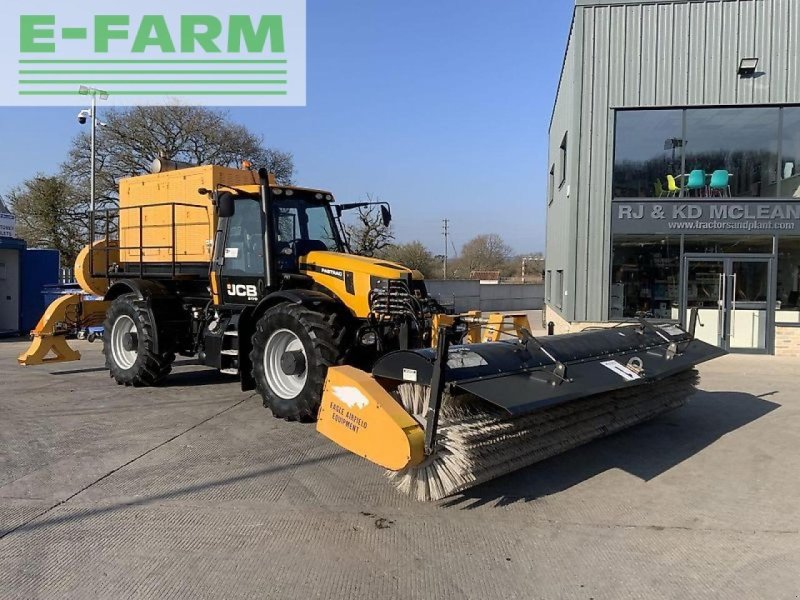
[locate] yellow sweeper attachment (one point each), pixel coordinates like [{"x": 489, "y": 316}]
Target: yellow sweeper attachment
[{"x": 445, "y": 419}]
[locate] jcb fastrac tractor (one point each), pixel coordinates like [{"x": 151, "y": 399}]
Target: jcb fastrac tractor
[{"x": 255, "y": 279}]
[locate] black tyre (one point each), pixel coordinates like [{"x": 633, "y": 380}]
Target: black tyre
[
  {"x": 293, "y": 346},
  {"x": 128, "y": 338}
]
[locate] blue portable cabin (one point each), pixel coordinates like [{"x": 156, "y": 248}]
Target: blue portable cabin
[{"x": 23, "y": 274}]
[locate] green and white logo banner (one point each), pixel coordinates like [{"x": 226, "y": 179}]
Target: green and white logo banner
[{"x": 232, "y": 53}]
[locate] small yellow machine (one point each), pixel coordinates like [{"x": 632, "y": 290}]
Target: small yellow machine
[{"x": 256, "y": 279}]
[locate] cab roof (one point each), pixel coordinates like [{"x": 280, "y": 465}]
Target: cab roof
[{"x": 255, "y": 189}]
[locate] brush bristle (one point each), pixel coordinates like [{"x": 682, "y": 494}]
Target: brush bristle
[{"x": 477, "y": 442}]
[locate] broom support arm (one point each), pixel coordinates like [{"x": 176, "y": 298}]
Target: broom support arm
[
  {"x": 559, "y": 372},
  {"x": 437, "y": 390}
]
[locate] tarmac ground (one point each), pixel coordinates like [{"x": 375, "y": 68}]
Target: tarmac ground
[{"x": 192, "y": 490}]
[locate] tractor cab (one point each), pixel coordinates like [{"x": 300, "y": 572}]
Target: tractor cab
[{"x": 250, "y": 257}]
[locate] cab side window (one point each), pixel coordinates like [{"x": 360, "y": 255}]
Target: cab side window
[{"x": 244, "y": 245}]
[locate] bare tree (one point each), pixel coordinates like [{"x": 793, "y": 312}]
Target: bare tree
[
  {"x": 413, "y": 255},
  {"x": 49, "y": 214},
  {"x": 487, "y": 252},
  {"x": 368, "y": 235},
  {"x": 133, "y": 137}
]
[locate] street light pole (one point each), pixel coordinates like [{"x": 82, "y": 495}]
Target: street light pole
[
  {"x": 94, "y": 93},
  {"x": 93, "y": 157},
  {"x": 446, "y": 232}
]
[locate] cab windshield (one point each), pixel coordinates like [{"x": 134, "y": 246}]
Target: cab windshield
[{"x": 304, "y": 223}]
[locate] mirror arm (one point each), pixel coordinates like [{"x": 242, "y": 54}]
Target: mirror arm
[{"x": 351, "y": 205}]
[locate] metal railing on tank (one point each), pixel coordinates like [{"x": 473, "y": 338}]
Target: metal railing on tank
[{"x": 112, "y": 231}]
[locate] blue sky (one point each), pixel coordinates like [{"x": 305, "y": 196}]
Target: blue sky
[{"x": 441, "y": 108}]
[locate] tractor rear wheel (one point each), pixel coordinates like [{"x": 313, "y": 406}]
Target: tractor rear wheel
[
  {"x": 293, "y": 346},
  {"x": 128, "y": 342}
]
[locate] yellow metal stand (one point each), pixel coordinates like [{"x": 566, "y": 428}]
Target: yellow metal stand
[
  {"x": 505, "y": 326},
  {"x": 42, "y": 345},
  {"x": 490, "y": 328},
  {"x": 65, "y": 314}
]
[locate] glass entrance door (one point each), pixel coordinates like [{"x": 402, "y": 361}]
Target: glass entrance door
[
  {"x": 732, "y": 296},
  {"x": 747, "y": 304},
  {"x": 704, "y": 289}
]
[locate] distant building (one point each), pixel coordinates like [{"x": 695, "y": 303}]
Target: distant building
[
  {"x": 674, "y": 170},
  {"x": 485, "y": 275}
]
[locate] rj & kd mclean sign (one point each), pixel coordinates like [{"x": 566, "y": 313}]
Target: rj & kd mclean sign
[{"x": 705, "y": 216}]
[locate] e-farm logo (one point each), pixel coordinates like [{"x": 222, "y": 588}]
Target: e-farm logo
[{"x": 198, "y": 52}]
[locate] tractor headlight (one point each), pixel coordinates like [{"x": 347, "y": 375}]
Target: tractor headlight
[{"x": 368, "y": 338}]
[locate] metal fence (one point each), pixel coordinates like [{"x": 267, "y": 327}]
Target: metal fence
[{"x": 462, "y": 295}]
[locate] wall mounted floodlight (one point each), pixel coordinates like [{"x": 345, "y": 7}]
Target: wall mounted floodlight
[
  {"x": 671, "y": 143},
  {"x": 747, "y": 67}
]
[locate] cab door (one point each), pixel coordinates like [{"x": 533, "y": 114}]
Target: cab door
[{"x": 240, "y": 257}]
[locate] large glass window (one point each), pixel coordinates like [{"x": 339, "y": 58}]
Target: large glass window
[
  {"x": 790, "y": 163},
  {"x": 727, "y": 244},
  {"x": 645, "y": 277},
  {"x": 731, "y": 152},
  {"x": 707, "y": 152},
  {"x": 648, "y": 152},
  {"x": 788, "y": 293}
]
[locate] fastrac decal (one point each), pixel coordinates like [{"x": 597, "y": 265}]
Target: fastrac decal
[
  {"x": 332, "y": 272},
  {"x": 350, "y": 396}
]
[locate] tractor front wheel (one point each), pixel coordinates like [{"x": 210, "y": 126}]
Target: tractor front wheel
[{"x": 293, "y": 346}]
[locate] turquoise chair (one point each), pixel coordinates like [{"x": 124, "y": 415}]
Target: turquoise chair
[
  {"x": 697, "y": 181},
  {"x": 720, "y": 182}
]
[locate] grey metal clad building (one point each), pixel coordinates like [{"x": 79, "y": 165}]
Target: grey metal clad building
[{"x": 674, "y": 170}]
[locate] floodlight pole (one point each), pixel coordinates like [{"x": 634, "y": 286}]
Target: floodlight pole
[
  {"x": 93, "y": 92},
  {"x": 92, "y": 152}
]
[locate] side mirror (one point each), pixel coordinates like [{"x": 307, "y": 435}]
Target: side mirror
[
  {"x": 225, "y": 206},
  {"x": 386, "y": 215}
]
